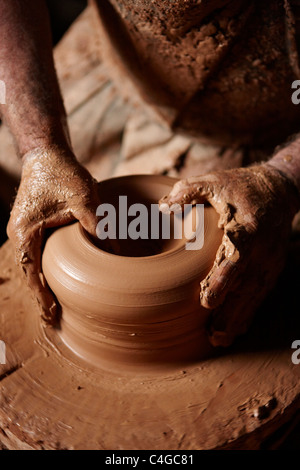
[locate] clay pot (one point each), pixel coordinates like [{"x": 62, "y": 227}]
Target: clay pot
[{"x": 140, "y": 306}]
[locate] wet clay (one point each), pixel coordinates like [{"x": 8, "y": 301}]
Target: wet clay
[
  {"x": 51, "y": 399},
  {"x": 137, "y": 309},
  {"x": 42, "y": 203}
]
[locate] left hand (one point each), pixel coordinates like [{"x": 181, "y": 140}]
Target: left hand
[
  {"x": 54, "y": 191},
  {"x": 256, "y": 207}
]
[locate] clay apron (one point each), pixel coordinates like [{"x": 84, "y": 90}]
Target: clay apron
[{"x": 241, "y": 93}]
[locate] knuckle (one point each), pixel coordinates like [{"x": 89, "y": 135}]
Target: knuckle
[
  {"x": 180, "y": 185},
  {"x": 10, "y": 229},
  {"x": 15, "y": 230},
  {"x": 24, "y": 241}
]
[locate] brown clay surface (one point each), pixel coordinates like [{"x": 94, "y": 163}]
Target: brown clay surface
[
  {"x": 141, "y": 304},
  {"x": 50, "y": 399}
]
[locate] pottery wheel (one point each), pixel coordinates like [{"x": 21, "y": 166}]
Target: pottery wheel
[{"x": 51, "y": 400}]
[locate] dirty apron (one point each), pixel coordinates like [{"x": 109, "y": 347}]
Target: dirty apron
[{"x": 122, "y": 123}]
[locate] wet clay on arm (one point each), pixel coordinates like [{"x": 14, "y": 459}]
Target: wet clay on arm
[
  {"x": 287, "y": 160},
  {"x": 54, "y": 188}
]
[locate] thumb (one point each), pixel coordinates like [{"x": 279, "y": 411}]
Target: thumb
[
  {"x": 88, "y": 219},
  {"x": 86, "y": 212}
]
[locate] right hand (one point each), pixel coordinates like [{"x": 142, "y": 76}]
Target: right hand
[
  {"x": 54, "y": 190},
  {"x": 256, "y": 206}
]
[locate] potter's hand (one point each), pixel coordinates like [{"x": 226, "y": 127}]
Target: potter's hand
[
  {"x": 256, "y": 207},
  {"x": 54, "y": 190}
]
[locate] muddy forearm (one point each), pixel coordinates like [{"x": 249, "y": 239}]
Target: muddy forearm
[
  {"x": 287, "y": 160},
  {"x": 34, "y": 109}
]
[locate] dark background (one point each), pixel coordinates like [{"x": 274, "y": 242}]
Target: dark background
[{"x": 62, "y": 15}]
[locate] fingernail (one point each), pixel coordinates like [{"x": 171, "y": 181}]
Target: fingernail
[
  {"x": 42, "y": 279},
  {"x": 164, "y": 208},
  {"x": 49, "y": 314}
]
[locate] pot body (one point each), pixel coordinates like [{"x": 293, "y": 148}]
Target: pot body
[{"x": 130, "y": 310}]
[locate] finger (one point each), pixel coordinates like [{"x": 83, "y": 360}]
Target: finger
[
  {"x": 225, "y": 274},
  {"x": 191, "y": 190},
  {"x": 29, "y": 258},
  {"x": 88, "y": 219},
  {"x": 234, "y": 317},
  {"x": 216, "y": 286},
  {"x": 86, "y": 212},
  {"x": 48, "y": 305},
  {"x": 28, "y": 242}
]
